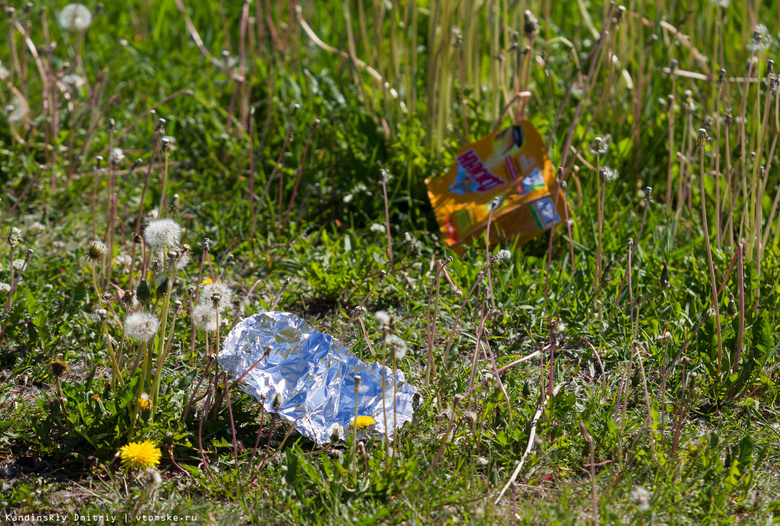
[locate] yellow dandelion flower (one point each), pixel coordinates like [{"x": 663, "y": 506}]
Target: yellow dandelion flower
[
  {"x": 144, "y": 403},
  {"x": 206, "y": 281},
  {"x": 140, "y": 455},
  {"x": 363, "y": 422}
]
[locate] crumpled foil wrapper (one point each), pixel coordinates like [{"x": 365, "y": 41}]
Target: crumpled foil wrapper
[{"x": 314, "y": 376}]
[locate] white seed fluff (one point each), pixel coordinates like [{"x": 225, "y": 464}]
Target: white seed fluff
[
  {"x": 205, "y": 317},
  {"x": 141, "y": 326},
  {"x": 382, "y": 318},
  {"x": 17, "y": 110},
  {"x": 397, "y": 346},
  {"x": 207, "y": 293},
  {"x": 162, "y": 234},
  {"x": 75, "y": 17},
  {"x": 73, "y": 83},
  {"x": 5, "y": 287}
]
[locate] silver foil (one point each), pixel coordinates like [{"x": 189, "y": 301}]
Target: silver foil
[{"x": 313, "y": 375}]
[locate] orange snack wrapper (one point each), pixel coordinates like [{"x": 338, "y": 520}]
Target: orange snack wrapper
[{"x": 511, "y": 164}]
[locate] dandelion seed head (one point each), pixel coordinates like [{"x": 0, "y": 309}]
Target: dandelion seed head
[
  {"x": 225, "y": 293},
  {"x": 609, "y": 174},
  {"x": 117, "y": 156},
  {"x": 504, "y": 255},
  {"x": 397, "y": 346},
  {"x": 17, "y": 110},
  {"x": 141, "y": 326},
  {"x": 73, "y": 83},
  {"x": 378, "y": 228},
  {"x": 152, "y": 476},
  {"x": 162, "y": 234},
  {"x": 18, "y": 264},
  {"x": 204, "y": 317},
  {"x": 5, "y": 287},
  {"x": 641, "y": 498},
  {"x": 75, "y": 17},
  {"x": 382, "y": 318},
  {"x": 760, "y": 39}
]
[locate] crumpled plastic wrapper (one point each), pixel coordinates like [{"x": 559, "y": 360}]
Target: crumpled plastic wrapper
[{"x": 313, "y": 375}]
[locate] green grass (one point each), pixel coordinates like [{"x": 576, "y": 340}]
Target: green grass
[{"x": 698, "y": 431}]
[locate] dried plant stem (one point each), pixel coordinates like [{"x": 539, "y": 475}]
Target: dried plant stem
[
  {"x": 529, "y": 446},
  {"x": 713, "y": 283}
]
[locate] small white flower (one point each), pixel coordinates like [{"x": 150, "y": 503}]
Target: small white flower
[
  {"x": 397, "y": 346},
  {"x": 162, "y": 234},
  {"x": 18, "y": 263},
  {"x": 73, "y": 83},
  {"x": 378, "y": 228},
  {"x": 641, "y": 497},
  {"x": 205, "y": 317},
  {"x": 141, "y": 326},
  {"x": 75, "y": 17},
  {"x": 504, "y": 255},
  {"x": 17, "y": 110},
  {"x": 5, "y": 287},
  {"x": 207, "y": 293},
  {"x": 124, "y": 260},
  {"x": 609, "y": 174}
]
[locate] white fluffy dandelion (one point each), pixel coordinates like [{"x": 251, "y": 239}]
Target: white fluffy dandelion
[
  {"x": 397, "y": 346},
  {"x": 141, "y": 326},
  {"x": 117, "y": 156},
  {"x": 5, "y": 287},
  {"x": 504, "y": 255},
  {"x": 17, "y": 110},
  {"x": 382, "y": 318},
  {"x": 162, "y": 234},
  {"x": 75, "y": 17},
  {"x": 73, "y": 83},
  {"x": 641, "y": 497},
  {"x": 205, "y": 317},
  {"x": 207, "y": 293}
]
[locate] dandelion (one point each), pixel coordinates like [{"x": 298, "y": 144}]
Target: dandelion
[
  {"x": 141, "y": 326},
  {"x": 75, "y": 17},
  {"x": 599, "y": 146},
  {"x": 140, "y": 455},
  {"x": 117, "y": 156},
  {"x": 17, "y": 110},
  {"x": 378, "y": 228},
  {"x": 382, "y": 318},
  {"x": 73, "y": 83},
  {"x": 760, "y": 40},
  {"x": 397, "y": 346},
  {"x": 152, "y": 475},
  {"x": 162, "y": 234},
  {"x": 609, "y": 174},
  {"x": 210, "y": 290},
  {"x": 5, "y": 287},
  {"x": 183, "y": 261},
  {"x": 204, "y": 316},
  {"x": 143, "y": 402},
  {"x": 641, "y": 497},
  {"x": 18, "y": 264},
  {"x": 59, "y": 368},
  {"x": 96, "y": 250},
  {"x": 504, "y": 255},
  {"x": 124, "y": 260},
  {"x": 363, "y": 422},
  {"x": 15, "y": 237}
]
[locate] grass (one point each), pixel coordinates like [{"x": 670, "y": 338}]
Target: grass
[{"x": 623, "y": 370}]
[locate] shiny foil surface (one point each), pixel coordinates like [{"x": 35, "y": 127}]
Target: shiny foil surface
[{"x": 312, "y": 377}]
